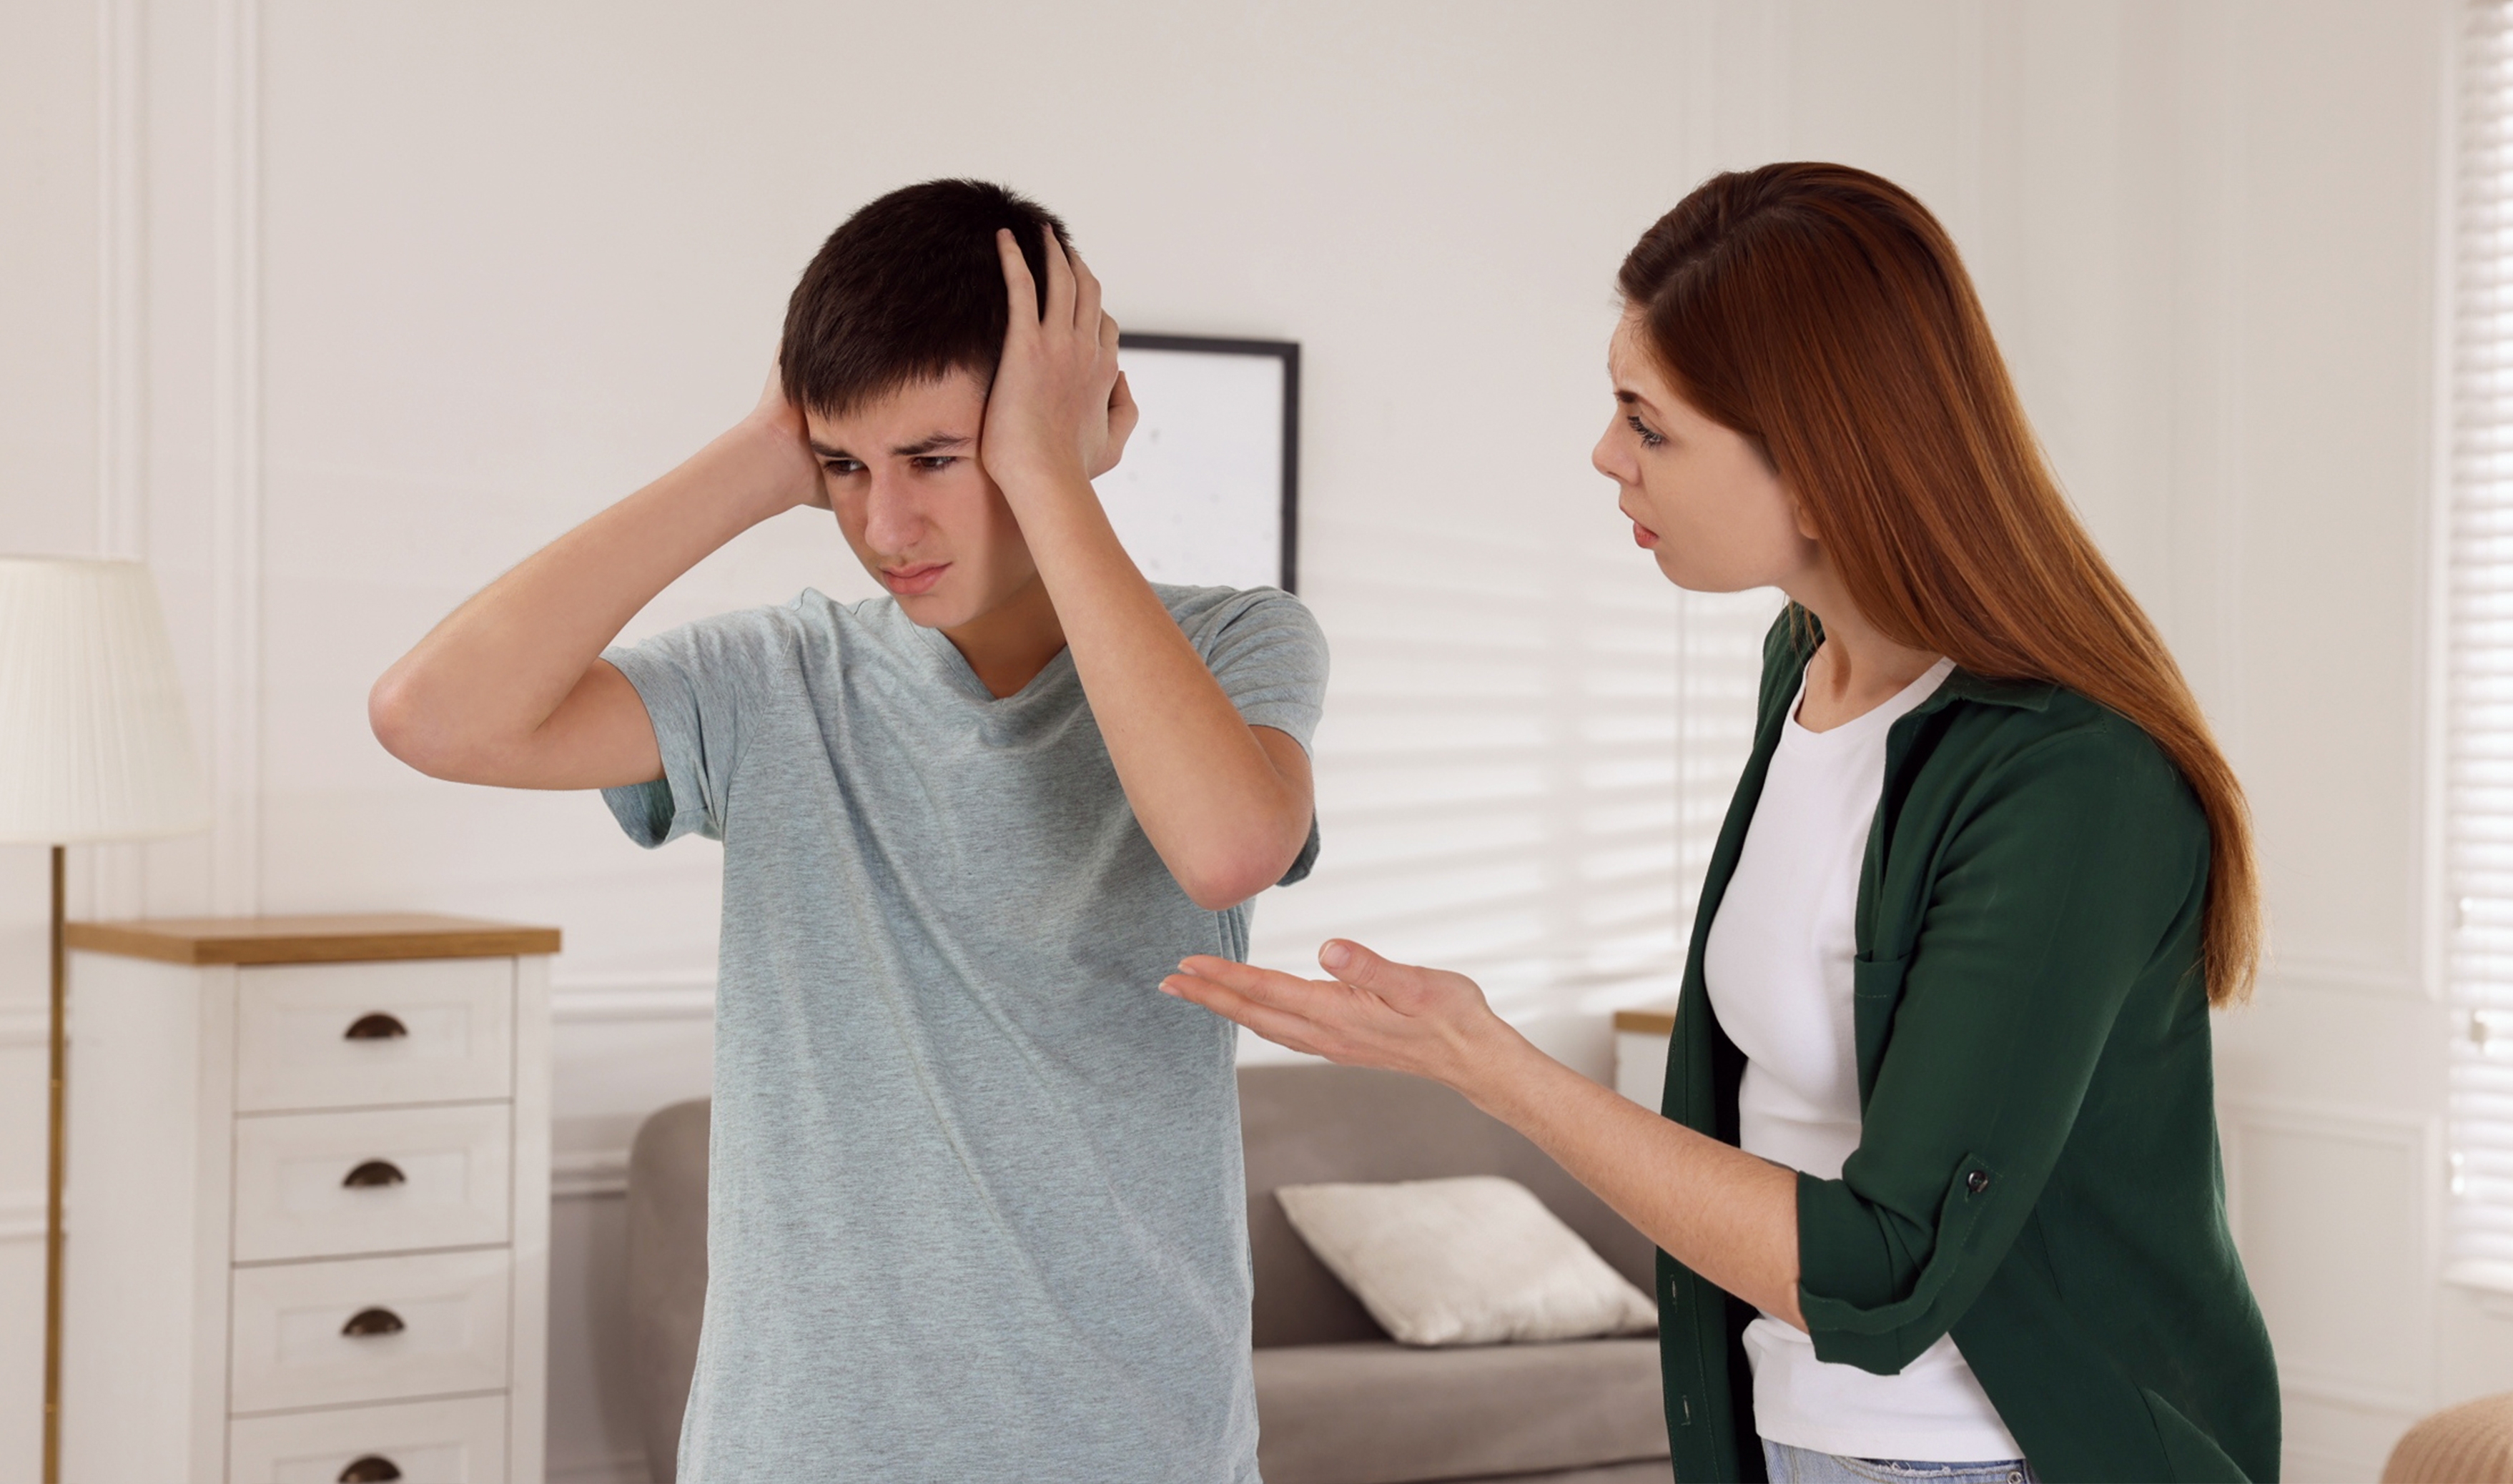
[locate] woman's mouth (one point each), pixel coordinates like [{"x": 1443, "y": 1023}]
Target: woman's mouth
[
  {"x": 915, "y": 577},
  {"x": 1643, "y": 536}
]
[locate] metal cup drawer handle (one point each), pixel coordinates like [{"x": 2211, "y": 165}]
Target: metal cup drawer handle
[
  {"x": 375, "y": 1171},
  {"x": 375, "y": 1025},
  {"x": 374, "y": 1468},
  {"x": 368, "y": 1322}
]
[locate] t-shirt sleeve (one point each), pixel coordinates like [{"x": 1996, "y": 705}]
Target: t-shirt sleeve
[
  {"x": 692, "y": 680},
  {"x": 1270, "y": 657}
]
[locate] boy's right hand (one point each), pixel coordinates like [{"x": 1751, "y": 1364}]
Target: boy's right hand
[{"x": 779, "y": 427}]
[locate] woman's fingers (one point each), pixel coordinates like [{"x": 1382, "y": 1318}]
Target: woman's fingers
[
  {"x": 1281, "y": 1027},
  {"x": 1400, "y": 984},
  {"x": 1373, "y": 1013},
  {"x": 1268, "y": 985}
]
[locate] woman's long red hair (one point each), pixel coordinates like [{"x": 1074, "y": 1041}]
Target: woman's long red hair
[{"x": 1823, "y": 312}]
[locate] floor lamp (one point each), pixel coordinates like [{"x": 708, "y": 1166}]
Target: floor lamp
[{"x": 94, "y": 746}]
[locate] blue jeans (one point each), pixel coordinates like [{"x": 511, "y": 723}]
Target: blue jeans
[{"x": 1805, "y": 1465}]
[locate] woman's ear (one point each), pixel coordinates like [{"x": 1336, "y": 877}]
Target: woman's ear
[{"x": 1798, "y": 513}]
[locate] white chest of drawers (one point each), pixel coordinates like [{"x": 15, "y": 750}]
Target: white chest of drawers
[{"x": 308, "y": 1206}]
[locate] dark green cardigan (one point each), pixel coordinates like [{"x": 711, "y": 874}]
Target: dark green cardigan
[{"x": 2038, "y": 1170}]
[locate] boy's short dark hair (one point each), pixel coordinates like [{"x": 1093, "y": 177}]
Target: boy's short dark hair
[{"x": 908, "y": 289}]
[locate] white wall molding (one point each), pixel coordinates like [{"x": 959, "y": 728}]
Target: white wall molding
[
  {"x": 2417, "y": 1138},
  {"x": 2404, "y": 1405},
  {"x": 2347, "y": 975},
  {"x": 2489, "y": 1286},
  {"x": 28, "y": 1026},
  {"x": 235, "y": 495},
  {"x": 21, "y": 1215},
  {"x": 121, "y": 301},
  {"x": 2353, "y": 1123},
  {"x": 599, "y": 998},
  {"x": 110, "y": 881}
]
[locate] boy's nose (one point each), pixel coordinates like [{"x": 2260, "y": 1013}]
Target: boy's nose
[{"x": 891, "y": 520}]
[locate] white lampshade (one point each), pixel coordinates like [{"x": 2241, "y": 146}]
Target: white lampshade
[{"x": 93, "y": 742}]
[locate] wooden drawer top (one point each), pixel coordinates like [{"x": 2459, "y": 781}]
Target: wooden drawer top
[
  {"x": 1647, "y": 1019},
  {"x": 311, "y": 940}
]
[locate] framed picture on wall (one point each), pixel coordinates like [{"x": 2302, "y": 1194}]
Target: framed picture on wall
[{"x": 1207, "y": 493}]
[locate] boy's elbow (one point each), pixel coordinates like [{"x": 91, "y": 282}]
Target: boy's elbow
[
  {"x": 1219, "y": 890},
  {"x": 399, "y": 720},
  {"x": 389, "y": 715},
  {"x": 1223, "y": 880}
]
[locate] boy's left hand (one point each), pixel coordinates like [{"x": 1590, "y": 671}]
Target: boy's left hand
[{"x": 1059, "y": 407}]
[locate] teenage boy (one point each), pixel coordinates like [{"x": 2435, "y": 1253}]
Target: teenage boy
[{"x": 974, "y": 1206}]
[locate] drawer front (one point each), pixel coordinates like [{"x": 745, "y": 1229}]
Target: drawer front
[
  {"x": 319, "y": 1334},
  {"x": 431, "y": 1030},
  {"x": 386, "y": 1180},
  {"x": 443, "y": 1442}
]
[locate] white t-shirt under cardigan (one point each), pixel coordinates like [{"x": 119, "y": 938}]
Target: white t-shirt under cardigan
[{"x": 1778, "y": 967}]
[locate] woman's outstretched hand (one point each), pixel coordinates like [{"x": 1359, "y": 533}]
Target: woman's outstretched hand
[
  {"x": 1727, "y": 1215},
  {"x": 1429, "y": 1023}
]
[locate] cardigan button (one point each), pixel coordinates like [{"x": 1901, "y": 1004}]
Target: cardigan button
[{"x": 1977, "y": 1181}]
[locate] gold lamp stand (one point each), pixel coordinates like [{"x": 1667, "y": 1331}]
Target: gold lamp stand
[{"x": 55, "y": 1177}]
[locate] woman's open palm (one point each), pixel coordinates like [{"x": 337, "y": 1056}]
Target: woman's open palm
[{"x": 1373, "y": 1013}]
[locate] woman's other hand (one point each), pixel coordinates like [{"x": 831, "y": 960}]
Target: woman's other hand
[{"x": 1429, "y": 1023}]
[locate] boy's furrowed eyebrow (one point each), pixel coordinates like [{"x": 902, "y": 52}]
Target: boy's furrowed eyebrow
[{"x": 930, "y": 443}]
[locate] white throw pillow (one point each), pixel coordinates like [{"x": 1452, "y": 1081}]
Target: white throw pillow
[{"x": 1471, "y": 1261}]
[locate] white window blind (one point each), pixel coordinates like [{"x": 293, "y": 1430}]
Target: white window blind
[
  {"x": 2478, "y": 744},
  {"x": 1523, "y": 765}
]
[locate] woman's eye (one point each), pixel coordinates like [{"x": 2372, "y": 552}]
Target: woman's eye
[{"x": 1650, "y": 437}]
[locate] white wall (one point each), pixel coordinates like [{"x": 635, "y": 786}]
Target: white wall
[{"x": 333, "y": 311}]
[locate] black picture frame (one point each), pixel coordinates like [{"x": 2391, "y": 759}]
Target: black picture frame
[{"x": 1287, "y": 352}]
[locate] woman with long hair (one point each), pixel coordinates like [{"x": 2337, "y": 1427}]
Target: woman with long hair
[{"x": 1935, "y": 1181}]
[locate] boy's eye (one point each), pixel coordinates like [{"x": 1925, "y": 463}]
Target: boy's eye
[
  {"x": 931, "y": 461},
  {"x": 841, "y": 465},
  {"x": 1650, "y": 437}
]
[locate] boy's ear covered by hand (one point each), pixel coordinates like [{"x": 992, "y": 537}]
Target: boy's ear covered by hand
[
  {"x": 782, "y": 419},
  {"x": 1059, "y": 407}
]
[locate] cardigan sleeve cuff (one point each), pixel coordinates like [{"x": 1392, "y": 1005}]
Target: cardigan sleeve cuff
[{"x": 1876, "y": 1291}]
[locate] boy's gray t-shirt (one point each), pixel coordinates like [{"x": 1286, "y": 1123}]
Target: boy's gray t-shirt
[{"x": 975, "y": 1209}]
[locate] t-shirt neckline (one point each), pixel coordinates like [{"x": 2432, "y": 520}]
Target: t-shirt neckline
[
  {"x": 957, "y": 670},
  {"x": 1795, "y": 734}
]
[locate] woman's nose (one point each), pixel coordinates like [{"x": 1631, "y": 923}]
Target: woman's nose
[{"x": 1604, "y": 458}]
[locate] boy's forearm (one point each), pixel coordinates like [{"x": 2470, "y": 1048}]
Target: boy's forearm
[
  {"x": 1223, "y": 816},
  {"x": 495, "y": 669}
]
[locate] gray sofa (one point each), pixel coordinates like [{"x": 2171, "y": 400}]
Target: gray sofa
[{"x": 1337, "y": 1401}]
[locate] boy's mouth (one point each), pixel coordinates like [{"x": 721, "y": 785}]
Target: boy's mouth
[{"x": 914, "y": 578}]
